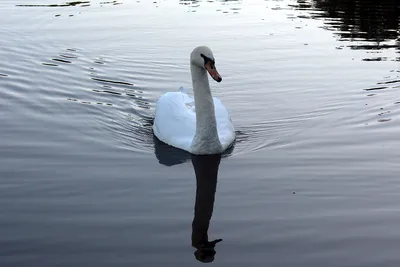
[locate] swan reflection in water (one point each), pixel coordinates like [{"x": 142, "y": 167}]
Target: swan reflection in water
[{"x": 206, "y": 171}]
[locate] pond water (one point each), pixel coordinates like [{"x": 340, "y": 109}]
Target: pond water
[{"x": 311, "y": 87}]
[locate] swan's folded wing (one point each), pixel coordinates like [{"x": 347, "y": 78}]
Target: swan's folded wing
[
  {"x": 226, "y": 130},
  {"x": 175, "y": 121}
]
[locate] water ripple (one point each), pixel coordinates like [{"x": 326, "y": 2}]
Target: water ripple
[
  {"x": 315, "y": 117},
  {"x": 71, "y": 4}
]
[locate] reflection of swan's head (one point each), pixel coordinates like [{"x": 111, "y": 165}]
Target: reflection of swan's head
[
  {"x": 203, "y": 58},
  {"x": 205, "y": 255}
]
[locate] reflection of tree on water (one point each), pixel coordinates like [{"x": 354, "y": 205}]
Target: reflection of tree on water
[
  {"x": 359, "y": 20},
  {"x": 206, "y": 170}
]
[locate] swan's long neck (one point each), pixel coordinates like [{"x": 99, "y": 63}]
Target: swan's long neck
[{"x": 206, "y": 140}]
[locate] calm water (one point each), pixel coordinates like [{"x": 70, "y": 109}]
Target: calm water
[{"x": 312, "y": 88}]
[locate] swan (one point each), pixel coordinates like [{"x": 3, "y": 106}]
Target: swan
[{"x": 199, "y": 125}]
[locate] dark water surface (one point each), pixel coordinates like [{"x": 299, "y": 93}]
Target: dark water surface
[{"x": 312, "y": 88}]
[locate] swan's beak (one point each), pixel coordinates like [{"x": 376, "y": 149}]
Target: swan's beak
[{"x": 210, "y": 67}]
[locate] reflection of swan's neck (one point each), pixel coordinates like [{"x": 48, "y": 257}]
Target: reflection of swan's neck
[
  {"x": 206, "y": 170},
  {"x": 206, "y": 140}
]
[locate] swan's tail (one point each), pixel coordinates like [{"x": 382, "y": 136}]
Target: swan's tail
[{"x": 183, "y": 90}]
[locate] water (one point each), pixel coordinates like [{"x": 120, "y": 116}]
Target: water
[{"x": 312, "y": 89}]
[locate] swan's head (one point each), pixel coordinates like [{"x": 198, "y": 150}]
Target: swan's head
[{"x": 203, "y": 57}]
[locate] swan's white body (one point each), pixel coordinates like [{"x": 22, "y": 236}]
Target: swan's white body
[{"x": 199, "y": 125}]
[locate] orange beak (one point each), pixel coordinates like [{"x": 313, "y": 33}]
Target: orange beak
[{"x": 210, "y": 67}]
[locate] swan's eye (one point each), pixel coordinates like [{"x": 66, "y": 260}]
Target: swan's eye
[{"x": 207, "y": 59}]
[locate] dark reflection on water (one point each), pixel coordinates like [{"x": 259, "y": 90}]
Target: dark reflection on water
[
  {"x": 372, "y": 26},
  {"x": 108, "y": 81},
  {"x": 69, "y": 4},
  {"x": 371, "y": 21},
  {"x": 206, "y": 170},
  {"x": 169, "y": 156},
  {"x": 72, "y": 3}
]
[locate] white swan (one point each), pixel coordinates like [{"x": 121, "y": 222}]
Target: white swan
[{"x": 202, "y": 126}]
